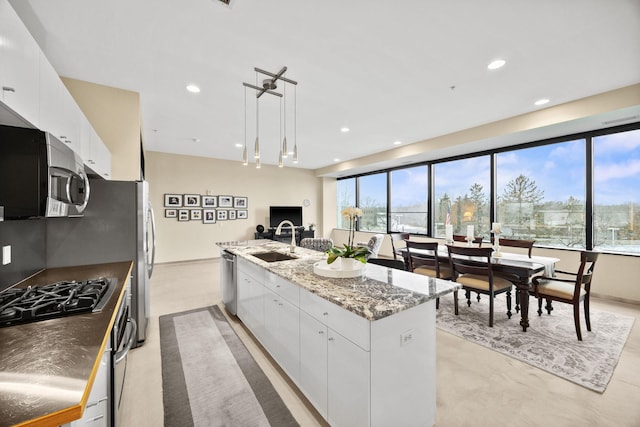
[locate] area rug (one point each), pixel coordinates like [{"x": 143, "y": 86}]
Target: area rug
[
  {"x": 209, "y": 378},
  {"x": 550, "y": 342}
]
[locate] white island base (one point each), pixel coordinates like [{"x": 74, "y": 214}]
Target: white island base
[{"x": 359, "y": 355}]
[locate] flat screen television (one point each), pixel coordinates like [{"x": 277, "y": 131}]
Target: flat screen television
[{"x": 277, "y": 214}]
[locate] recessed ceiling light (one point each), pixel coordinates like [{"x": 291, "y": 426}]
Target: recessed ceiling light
[
  {"x": 541, "y": 101},
  {"x": 238, "y": 145},
  {"x": 193, "y": 88},
  {"x": 397, "y": 142},
  {"x": 336, "y": 160},
  {"x": 344, "y": 129},
  {"x": 498, "y": 63}
]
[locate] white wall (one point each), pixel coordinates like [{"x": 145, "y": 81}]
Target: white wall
[{"x": 270, "y": 185}]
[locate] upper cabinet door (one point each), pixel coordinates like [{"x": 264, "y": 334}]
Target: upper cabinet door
[
  {"x": 19, "y": 66},
  {"x": 59, "y": 113}
]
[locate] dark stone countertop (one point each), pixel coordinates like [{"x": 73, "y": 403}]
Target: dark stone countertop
[{"x": 47, "y": 368}]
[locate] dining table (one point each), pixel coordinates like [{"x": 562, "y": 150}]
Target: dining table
[{"x": 517, "y": 268}]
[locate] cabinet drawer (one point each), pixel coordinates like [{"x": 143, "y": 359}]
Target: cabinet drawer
[
  {"x": 283, "y": 288},
  {"x": 351, "y": 326},
  {"x": 251, "y": 269}
]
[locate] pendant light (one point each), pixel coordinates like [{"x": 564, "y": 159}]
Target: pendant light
[
  {"x": 281, "y": 156},
  {"x": 285, "y": 153},
  {"x": 269, "y": 86},
  {"x": 256, "y": 146},
  {"x": 245, "y": 160},
  {"x": 295, "y": 124}
]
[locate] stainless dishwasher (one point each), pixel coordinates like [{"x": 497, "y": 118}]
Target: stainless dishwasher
[{"x": 228, "y": 286}]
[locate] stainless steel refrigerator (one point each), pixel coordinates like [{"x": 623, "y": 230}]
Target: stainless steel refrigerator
[{"x": 118, "y": 225}]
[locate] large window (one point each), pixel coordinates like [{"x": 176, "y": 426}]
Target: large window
[
  {"x": 616, "y": 192},
  {"x": 462, "y": 189},
  {"x": 578, "y": 192},
  {"x": 346, "y": 194},
  {"x": 409, "y": 199},
  {"x": 372, "y": 199},
  {"x": 541, "y": 194}
]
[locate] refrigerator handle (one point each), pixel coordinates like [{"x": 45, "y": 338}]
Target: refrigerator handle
[{"x": 153, "y": 241}]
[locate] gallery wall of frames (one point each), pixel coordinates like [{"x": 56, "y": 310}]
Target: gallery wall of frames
[{"x": 206, "y": 209}]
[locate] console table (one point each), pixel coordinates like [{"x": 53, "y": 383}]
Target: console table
[{"x": 285, "y": 236}]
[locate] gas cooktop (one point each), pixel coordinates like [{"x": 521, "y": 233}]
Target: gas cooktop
[{"x": 41, "y": 302}]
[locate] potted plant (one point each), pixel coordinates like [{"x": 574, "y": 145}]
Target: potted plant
[{"x": 349, "y": 251}]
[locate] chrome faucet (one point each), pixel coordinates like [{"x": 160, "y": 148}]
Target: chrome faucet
[{"x": 292, "y": 247}]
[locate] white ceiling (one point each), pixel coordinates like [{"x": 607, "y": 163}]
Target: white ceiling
[{"x": 389, "y": 70}]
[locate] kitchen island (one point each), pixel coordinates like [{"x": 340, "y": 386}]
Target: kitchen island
[{"x": 361, "y": 349}]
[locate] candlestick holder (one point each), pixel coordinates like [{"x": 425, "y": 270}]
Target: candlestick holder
[
  {"x": 496, "y": 245},
  {"x": 469, "y": 240}
]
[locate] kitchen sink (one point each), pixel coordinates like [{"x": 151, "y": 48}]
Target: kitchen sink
[{"x": 273, "y": 256}]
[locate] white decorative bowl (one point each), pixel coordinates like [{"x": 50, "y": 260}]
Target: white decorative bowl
[{"x": 339, "y": 269}]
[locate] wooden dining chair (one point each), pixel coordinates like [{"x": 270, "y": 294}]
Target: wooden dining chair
[
  {"x": 516, "y": 243},
  {"x": 476, "y": 275},
  {"x": 571, "y": 289},
  {"x": 461, "y": 238},
  {"x": 396, "y": 238},
  {"x": 427, "y": 264}
]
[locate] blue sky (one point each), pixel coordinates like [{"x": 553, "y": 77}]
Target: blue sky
[{"x": 557, "y": 169}]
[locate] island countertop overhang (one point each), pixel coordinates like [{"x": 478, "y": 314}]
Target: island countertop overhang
[{"x": 378, "y": 293}]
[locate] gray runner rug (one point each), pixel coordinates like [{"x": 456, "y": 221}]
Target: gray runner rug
[
  {"x": 209, "y": 378},
  {"x": 550, "y": 342}
]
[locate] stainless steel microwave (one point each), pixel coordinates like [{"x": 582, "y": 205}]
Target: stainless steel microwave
[{"x": 40, "y": 176}]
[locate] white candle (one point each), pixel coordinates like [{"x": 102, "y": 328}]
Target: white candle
[
  {"x": 470, "y": 231},
  {"x": 495, "y": 227},
  {"x": 448, "y": 232}
]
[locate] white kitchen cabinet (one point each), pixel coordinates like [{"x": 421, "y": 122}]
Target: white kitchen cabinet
[
  {"x": 313, "y": 362},
  {"x": 250, "y": 301},
  {"x": 59, "y": 113},
  {"x": 19, "y": 65},
  {"x": 354, "y": 371},
  {"x": 99, "y": 159},
  {"x": 345, "y": 384},
  {"x": 348, "y": 377}
]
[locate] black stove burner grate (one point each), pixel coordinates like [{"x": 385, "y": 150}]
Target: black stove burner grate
[{"x": 40, "y": 302}]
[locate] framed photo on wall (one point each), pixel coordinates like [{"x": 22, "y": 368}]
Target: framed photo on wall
[
  {"x": 232, "y": 214},
  {"x": 209, "y": 202},
  {"x": 242, "y": 214},
  {"x": 183, "y": 215},
  {"x": 191, "y": 200},
  {"x": 225, "y": 201},
  {"x": 209, "y": 216},
  {"x": 240, "y": 202},
  {"x": 170, "y": 213},
  {"x": 196, "y": 214},
  {"x": 222, "y": 215},
  {"x": 172, "y": 200}
]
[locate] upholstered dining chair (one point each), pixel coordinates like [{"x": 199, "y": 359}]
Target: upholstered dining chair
[
  {"x": 387, "y": 262},
  {"x": 516, "y": 243},
  {"x": 461, "y": 238},
  {"x": 396, "y": 238},
  {"x": 427, "y": 264},
  {"x": 317, "y": 243},
  {"x": 477, "y": 276},
  {"x": 374, "y": 244},
  {"x": 571, "y": 289}
]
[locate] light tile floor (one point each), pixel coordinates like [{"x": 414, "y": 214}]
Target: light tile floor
[{"x": 475, "y": 386}]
